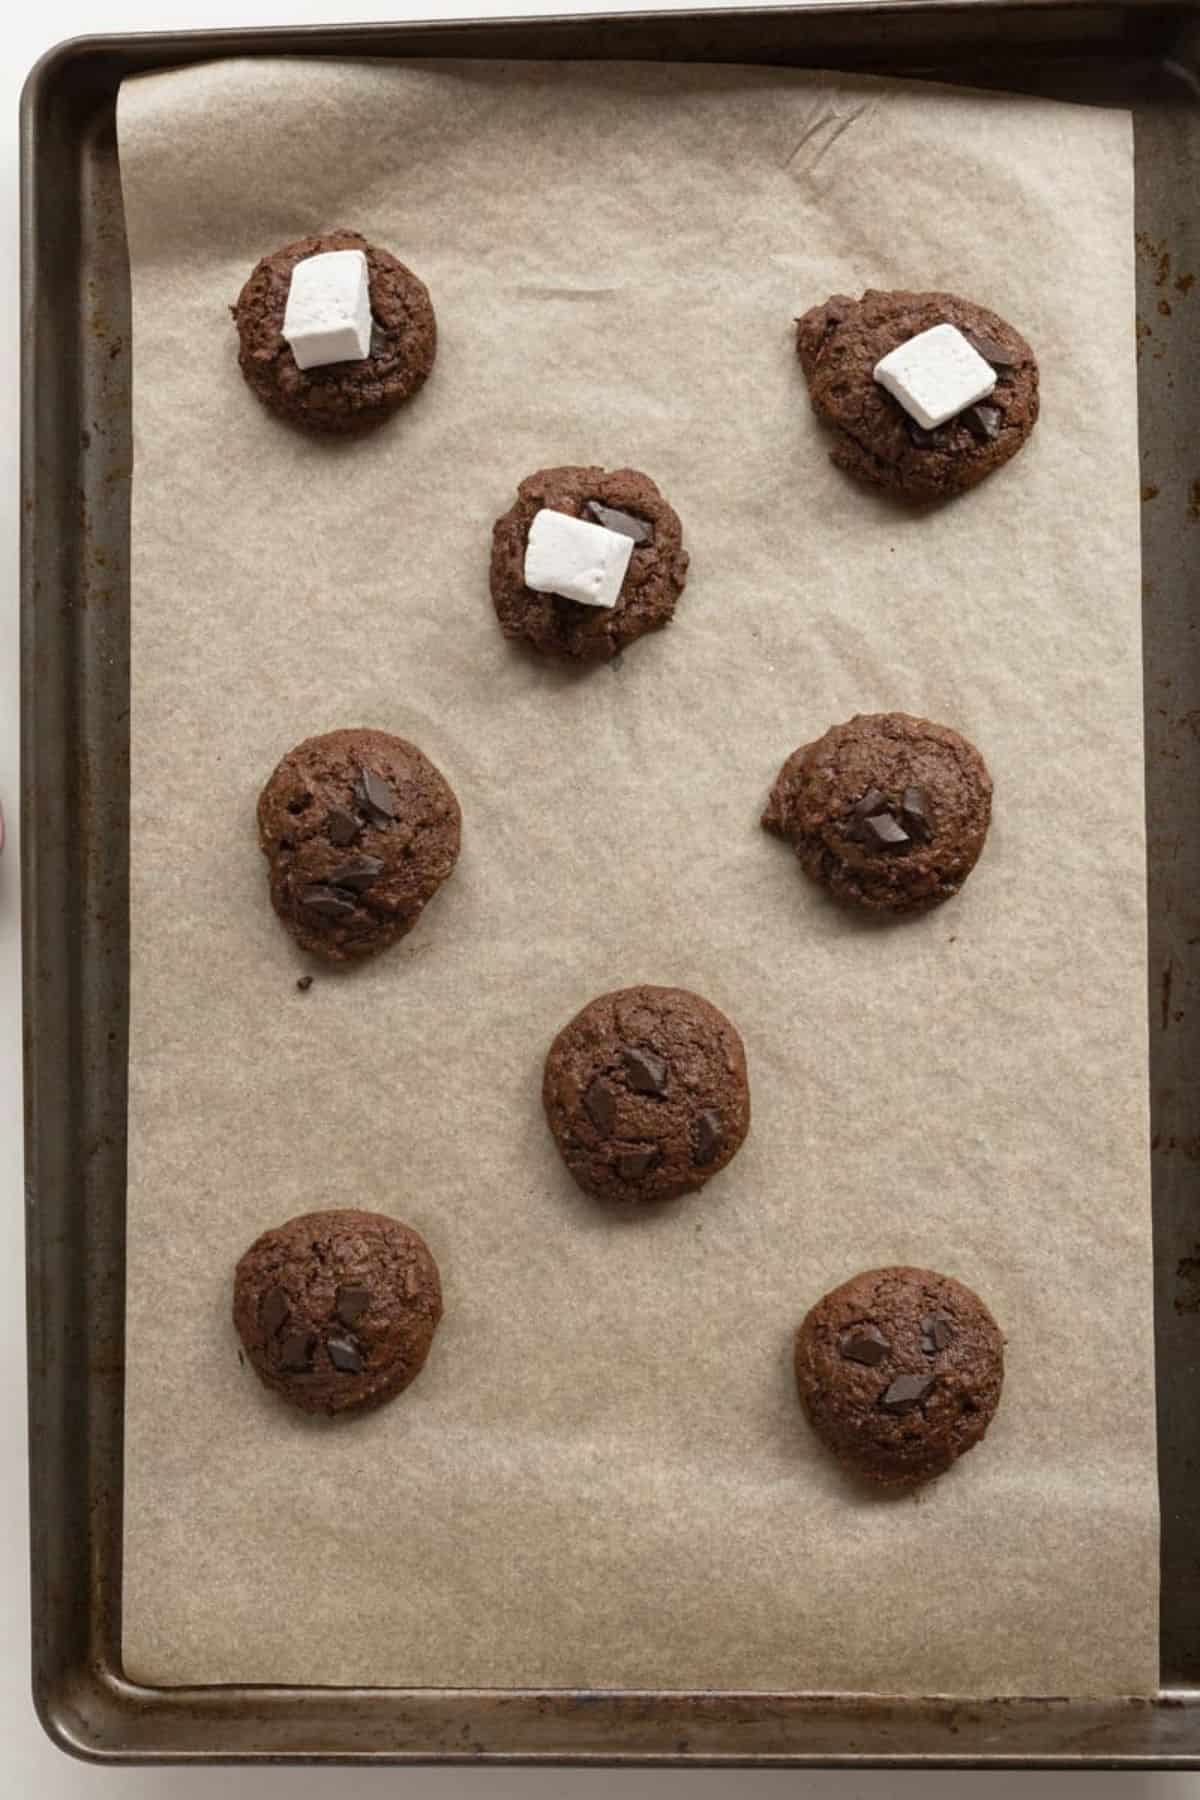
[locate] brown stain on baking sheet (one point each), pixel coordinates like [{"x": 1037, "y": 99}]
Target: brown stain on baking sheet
[
  {"x": 1167, "y": 979},
  {"x": 1187, "y": 1273},
  {"x": 1188, "y": 1146},
  {"x": 1156, "y": 253},
  {"x": 1194, "y": 499},
  {"x": 1150, "y": 491}
]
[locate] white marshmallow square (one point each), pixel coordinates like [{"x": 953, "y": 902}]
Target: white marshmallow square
[
  {"x": 576, "y": 559},
  {"x": 328, "y": 314},
  {"x": 935, "y": 375}
]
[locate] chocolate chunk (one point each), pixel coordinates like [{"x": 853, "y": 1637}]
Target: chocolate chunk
[
  {"x": 872, "y": 802},
  {"x": 634, "y": 1163},
  {"x": 381, "y": 340},
  {"x": 709, "y": 1136},
  {"x": 341, "y": 827},
  {"x": 906, "y": 1392},
  {"x": 983, "y": 422},
  {"x": 304, "y": 983},
  {"x": 275, "y": 1310},
  {"x": 375, "y": 796},
  {"x": 327, "y": 902},
  {"x": 864, "y": 1344},
  {"x": 345, "y": 1355},
  {"x": 600, "y": 1104},
  {"x": 351, "y": 1303},
  {"x": 357, "y": 874},
  {"x": 296, "y": 1352},
  {"x": 640, "y": 530},
  {"x": 937, "y": 1334},
  {"x": 940, "y": 438},
  {"x": 914, "y": 811},
  {"x": 990, "y": 350},
  {"x": 864, "y": 815},
  {"x": 883, "y": 832},
  {"x": 645, "y": 1072}
]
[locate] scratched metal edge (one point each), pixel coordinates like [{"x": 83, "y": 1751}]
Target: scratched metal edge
[{"x": 75, "y": 460}]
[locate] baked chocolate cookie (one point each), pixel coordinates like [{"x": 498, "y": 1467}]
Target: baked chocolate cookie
[
  {"x": 360, "y": 830},
  {"x": 337, "y": 1310},
  {"x": 839, "y": 345},
  {"x": 886, "y": 811},
  {"x": 621, "y": 500},
  {"x": 646, "y": 1094},
  {"x": 900, "y": 1371},
  {"x": 343, "y": 396}
]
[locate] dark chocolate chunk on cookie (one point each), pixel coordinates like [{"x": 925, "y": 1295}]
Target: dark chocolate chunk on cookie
[
  {"x": 621, "y": 501},
  {"x": 341, "y": 396},
  {"x": 378, "y": 794},
  {"x": 337, "y": 1310},
  {"x": 839, "y": 345},
  {"x": 900, "y": 1371},
  {"x": 646, "y": 1094},
  {"x": 887, "y": 811}
]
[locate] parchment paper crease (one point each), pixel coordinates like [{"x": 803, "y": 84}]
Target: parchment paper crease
[{"x": 603, "y": 1476}]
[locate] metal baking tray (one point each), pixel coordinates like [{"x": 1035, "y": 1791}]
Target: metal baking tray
[{"x": 76, "y": 462}]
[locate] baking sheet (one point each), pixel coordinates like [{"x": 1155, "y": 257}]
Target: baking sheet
[{"x": 602, "y": 1477}]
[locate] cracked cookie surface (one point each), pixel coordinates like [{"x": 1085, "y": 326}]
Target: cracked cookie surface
[
  {"x": 360, "y": 830},
  {"x": 839, "y": 344},
  {"x": 346, "y": 396},
  {"x": 899, "y": 1371},
  {"x": 887, "y": 811},
  {"x": 337, "y": 1310},
  {"x": 653, "y": 581},
  {"x": 646, "y": 1094}
]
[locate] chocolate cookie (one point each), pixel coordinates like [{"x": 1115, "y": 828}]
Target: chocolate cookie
[
  {"x": 900, "y": 1371},
  {"x": 360, "y": 830},
  {"x": 337, "y": 1310},
  {"x": 343, "y": 396},
  {"x": 623, "y": 501},
  {"x": 887, "y": 811},
  {"x": 839, "y": 345},
  {"x": 646, "y": 1094}
]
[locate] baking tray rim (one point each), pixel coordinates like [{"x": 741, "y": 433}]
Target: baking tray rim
[{"x": 266, "y": 40}]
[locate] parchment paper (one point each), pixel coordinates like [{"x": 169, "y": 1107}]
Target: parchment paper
[{"x": 603, "y": 1476}]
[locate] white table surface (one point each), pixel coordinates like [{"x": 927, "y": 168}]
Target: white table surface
[{"x": 29, "y": 1765}]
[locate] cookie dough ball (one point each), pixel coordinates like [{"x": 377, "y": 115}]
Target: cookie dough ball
[
  {"x": 874, "y": 438},
  {"x": 900, "y": 1371},
  {"x": 337, "y": 1310},
  {"x": 344, "y": 396},
  {"x": 622, "y": 501},
  {"x": 360, "y": 831},
  {"x": 887, "y": 811},
  {"x": 646, "y": 1094}
]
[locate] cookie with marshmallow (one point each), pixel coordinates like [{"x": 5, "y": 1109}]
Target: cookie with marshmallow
[
  {"x": 334, "y": 333},
  {"x": 924, "y": 393},
  {"x": 586, "y": 561}
]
